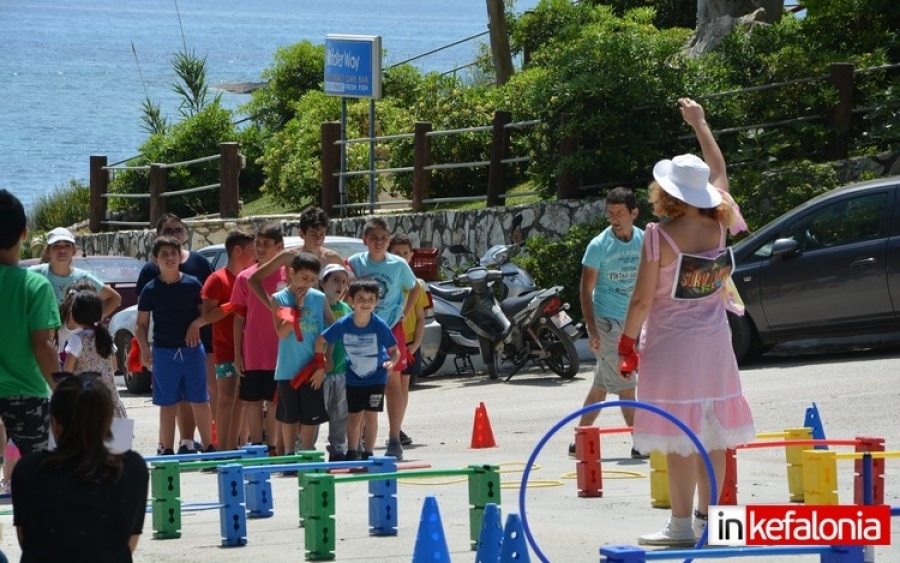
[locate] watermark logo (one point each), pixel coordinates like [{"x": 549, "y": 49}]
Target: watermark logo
[{"x": 799, "y": 525}]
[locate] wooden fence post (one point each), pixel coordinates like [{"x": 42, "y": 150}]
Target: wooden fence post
[
  {"x": 841, "y": 77},
  {"x": 566, "y": 183},
  {"x": 229, "y": 180},
  {"x": 499, "y": 151},
  {"x": 331, "y": 163},
  {"x": 158, "y": 182},
  {"x": 421, "y": 159},
  {"x": 99, "y": 187}
]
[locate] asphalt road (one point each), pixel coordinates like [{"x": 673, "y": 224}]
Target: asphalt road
[{"x": 856, "y": 392}]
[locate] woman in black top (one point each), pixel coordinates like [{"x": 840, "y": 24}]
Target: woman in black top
[{"x": 79, "y": 502}]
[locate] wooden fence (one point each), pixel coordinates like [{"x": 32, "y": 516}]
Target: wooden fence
[{"x": 230, "y": 164}]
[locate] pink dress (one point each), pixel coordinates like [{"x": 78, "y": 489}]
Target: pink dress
[{"x": 688, "y": 367}]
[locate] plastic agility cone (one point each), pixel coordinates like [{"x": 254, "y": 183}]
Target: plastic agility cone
[
  {"x": 514, "y": 548},
  {"x": 482, "y": 435},
  {"x": 431, "y": 544},
  {"x": 490, "y": 540},
  {"x": 813, "y": 421}
]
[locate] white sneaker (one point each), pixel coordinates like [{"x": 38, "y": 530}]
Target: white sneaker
[
  {"x": 699, "y": 526},
  {"x": 677, "y": 533}
]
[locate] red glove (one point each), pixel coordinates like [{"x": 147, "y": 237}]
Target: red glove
[
  {"x": 307, "y": 372},
  {"x": 292, "y": 316},
  {"x": 631, "y": 359}
]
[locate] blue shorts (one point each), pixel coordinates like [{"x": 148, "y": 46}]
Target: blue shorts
[{"x": 179, "y": 374}]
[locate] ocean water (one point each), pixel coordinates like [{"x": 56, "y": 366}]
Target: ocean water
[{"x": 70, "y": 84}]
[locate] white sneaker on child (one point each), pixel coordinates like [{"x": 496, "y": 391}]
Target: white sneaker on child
[
  {"x": 677, "y": 533},
  {"x": 699, "y": 526}
]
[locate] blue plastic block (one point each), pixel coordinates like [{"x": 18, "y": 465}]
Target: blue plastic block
[
  {"x": 383, "y": 498},
  {"x": 232, "y": 513},
  {"x": 258, "y": 492},
  {"x": 622, "y": 554}
]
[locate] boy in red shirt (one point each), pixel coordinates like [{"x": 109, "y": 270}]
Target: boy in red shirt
[{"x": 217, "y": 310}]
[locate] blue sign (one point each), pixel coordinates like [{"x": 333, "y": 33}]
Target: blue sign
[{"x": 353, "y": 66}]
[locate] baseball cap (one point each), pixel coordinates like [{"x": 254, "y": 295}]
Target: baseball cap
[
  {"x": 60, "y": 234},
  {"x": 330, "y": 269}
]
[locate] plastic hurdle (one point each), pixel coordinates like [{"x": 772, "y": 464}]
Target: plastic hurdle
[
  {"x": 820, "y": 476},
  {"x": 165, "y": 483},
  {"x": 317, "y": 498},
  {"x": 589, "y": 475}
]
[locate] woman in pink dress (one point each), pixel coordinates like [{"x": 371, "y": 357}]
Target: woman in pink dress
[{"x": 687, "y": 366}]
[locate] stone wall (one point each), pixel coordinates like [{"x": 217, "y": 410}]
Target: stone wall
[{"x": 477, "y": 229}]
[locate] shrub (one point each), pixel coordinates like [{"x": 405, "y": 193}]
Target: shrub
[
  {"x": 558, "y": 262},
  {"x": 64, "y": 206},
  {"x": 296, "y": 70},
  {"x": 610, "y": 87},
  {"x": 194, "y": 137}
]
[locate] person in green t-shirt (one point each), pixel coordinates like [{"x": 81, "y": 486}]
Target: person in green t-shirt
[
  {"x": 30, "y": 318},
  {"x": 334, "y": 279}
]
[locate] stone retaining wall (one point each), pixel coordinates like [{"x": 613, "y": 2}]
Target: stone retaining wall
[{"x": 477, "y": 229}]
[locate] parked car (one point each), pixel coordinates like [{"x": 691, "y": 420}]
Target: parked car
[
  {"x": 122, "y": 325},
  {"x": 830, "y": 267},
  {"x": 119, "y": 272}
]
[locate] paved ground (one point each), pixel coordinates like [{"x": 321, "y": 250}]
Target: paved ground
[{"x": 856, "y": 393}]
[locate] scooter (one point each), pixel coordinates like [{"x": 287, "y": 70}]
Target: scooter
[
  {"x": 516, "y": 282},
  {"x": 531, "y": 328}
]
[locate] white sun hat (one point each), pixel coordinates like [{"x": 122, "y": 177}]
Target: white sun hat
[{"x": 686, "y": 177}]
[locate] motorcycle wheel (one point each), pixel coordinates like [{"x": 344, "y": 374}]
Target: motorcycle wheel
[
  {"x": 563, "y": 359},
  {"x": 489, "y": 357},
  {"x": 430, "y": 366}
]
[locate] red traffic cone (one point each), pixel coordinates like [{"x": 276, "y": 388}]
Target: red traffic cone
[{"x": 482, "y": 435}]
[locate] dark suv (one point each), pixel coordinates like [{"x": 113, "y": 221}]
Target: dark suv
[{"x": 830, "y": 267}]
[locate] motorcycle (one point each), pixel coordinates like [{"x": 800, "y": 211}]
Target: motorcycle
[
  {"x": 530, "y": 328},
  {"x": 516, "y": 282}
]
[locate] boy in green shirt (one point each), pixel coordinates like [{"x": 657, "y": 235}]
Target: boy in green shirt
[
  {"x": 334, "y": 279},
  {"x": 30, "y": 318}
]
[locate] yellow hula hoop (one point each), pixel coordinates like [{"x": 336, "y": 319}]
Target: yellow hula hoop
[
  {"x": 532, "y": 484},
  {"x": 609, "y": 474}
]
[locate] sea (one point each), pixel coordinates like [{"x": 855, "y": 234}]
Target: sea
[{"x": 74, "y": 73}]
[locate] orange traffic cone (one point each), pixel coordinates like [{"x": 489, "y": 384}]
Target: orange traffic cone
[{"x": 482, "y": 435}]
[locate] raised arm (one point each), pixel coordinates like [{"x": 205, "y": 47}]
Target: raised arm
[
  {"x": 254, "y": 282},
  {"x": 693, "y": 114}
]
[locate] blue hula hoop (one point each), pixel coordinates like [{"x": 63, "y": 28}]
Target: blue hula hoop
[{"x": 598, "y": 406}]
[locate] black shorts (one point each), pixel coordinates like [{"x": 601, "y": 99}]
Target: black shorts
[
  {"x": 413, "y": 364},
  {"x": 304, "y": 405},
  {"x": 257, "y": 385},
  {"x": 365, "y": 398}
]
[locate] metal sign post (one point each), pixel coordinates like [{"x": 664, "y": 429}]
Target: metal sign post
[{"x": 353, "y": 70}]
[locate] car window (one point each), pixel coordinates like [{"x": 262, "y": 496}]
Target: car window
[
  {"x": 843, "y": 222},
  {"x": 111, "y": 270},
  {"x": 346, "y": 249}
]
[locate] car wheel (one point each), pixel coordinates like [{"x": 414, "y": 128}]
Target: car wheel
[
  {"x": 137, "y": 383},
  {"x": 741, "y": 336}
]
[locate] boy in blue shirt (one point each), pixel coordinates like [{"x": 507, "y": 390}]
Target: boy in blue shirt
[
  {"x": 397, "y": 295},
  {"x": 372, "y": 353},
  {"x": 178, "y": 358},
  {"x": 301, "y": 314}
]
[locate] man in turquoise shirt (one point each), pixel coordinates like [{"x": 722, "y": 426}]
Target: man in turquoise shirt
[{"x": 608, "y": 272}]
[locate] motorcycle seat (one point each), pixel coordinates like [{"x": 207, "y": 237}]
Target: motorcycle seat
[
  {"x": 513, "y": 305},
  {"x": 454, "y": 294}
]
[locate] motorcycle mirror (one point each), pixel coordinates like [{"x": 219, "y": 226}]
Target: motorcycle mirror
[{"x": 458, "y": 249}]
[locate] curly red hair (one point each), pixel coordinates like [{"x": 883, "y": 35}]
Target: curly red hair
[{"x": 666, "y": 205}]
